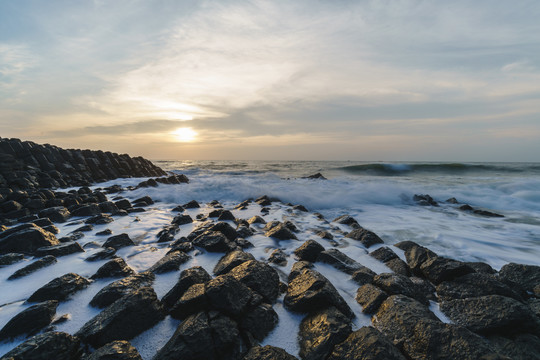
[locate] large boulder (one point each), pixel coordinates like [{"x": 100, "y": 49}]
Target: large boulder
[
  {"x": 526, "y": 276},
  {"x": 309, "y": 291},
  {"x": 29, "y": 321},
  {"x": 60, "y": 288},
  {"x": 120, "y": 288},
  {"x": 117, "y": 322},
  {"x": 231, "y": 260},
  {"x": 309, "y": 251},
  {"x": 320, "y": 331},
  {"x": 170, "y": 262},
  {"x": 25, "y": 239},
  {"x": 441, "y": 269},
  {"x": 366, "y": 237},
  {"x": 204, "y": 336},
  {"x": 213, "y": 241},
  {"x": 394, "y": 284},
  {"x": 116, "y": 267},
  {"x": 46, "y": 346},
  {"x": 492, "y": 314},
  {"x": 474, "y": 285},
  {"x": 370, "y": 297},
  {"x": 117, "y": 350},
  {"x": 367, "y": 344},
  {"x": 118, "y": 241},
  {"x": 228, "y": 295},
  {"x": 258, "y": 320},
  {"x": 259, "y": 277},
  {"x": 188, "y": 278},
  {"x": 280, "y": 232},
  {"x": 57, "y": 214}
]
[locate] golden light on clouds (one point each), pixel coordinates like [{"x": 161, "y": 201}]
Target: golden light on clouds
[{"x": 184, "y": 134}]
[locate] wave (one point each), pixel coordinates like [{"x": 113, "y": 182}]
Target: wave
[{"x": 397, "y": 169}]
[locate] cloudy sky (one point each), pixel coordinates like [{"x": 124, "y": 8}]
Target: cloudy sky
[{"x": 306, "y": 79}]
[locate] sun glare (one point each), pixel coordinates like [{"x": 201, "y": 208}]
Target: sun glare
[{"x": 184, "y": 134}]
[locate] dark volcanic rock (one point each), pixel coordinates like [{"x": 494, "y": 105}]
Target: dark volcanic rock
[
  {"x": 523, "y": 346},
  {"x": 424, "y": 200},
  {"x": 231, "y": 260},
  {"x": 60, "y": 250},
  {"x": 116, "y": 350},
  {"x": 268, "y": 353},
  {"x": 113, "y": 268},
  {"x": 526, "y": 276},
  {"x": 474, "y": 285},
  {"x": 256, "y": 220},
  {"x": 339, "y": 260},
  {"x": 416, "y": 255},
  {"x": 188, "y": 278},
  {"x": 367, "y": 344},
  {"x": 118, "y": 241},
  {"x": 225, "y": 229},
  {"x": 280, "y": 232},
  {"x": 191, "y": 205},
  {"x": 390, "y": 259},
  {"x": 10, "y": 258},
  {"x": 259, "y": 277},
  {"x": 309, "y": 291},
  {"x": 35, "y": 266},
  {"x": 204, "y": 336},
  {"x": 228, "y": 295},
  {"x": 122, "y": 287},
  {"x": 57, "y": 214},
  {"x": 364, "y": 275},
  {"x": 394, "y": 284},
  {"x": 492, "y": 314},
  {"x": 25, "y": 239},
  {"x": 441, "y": 269},
  {"x": 99, "y": 219},
  {"x": 366, "y": 237},
  {"x": 170, "y": 262},
  {"x": 259, "y": 320},
  {"x": 320, "y": 331},
  {"x": 117, "y": 322},
  {"x": 107, "y": 253},
  {"x": 59, "y": 288},
  {"x": 47, "y": 346},
  {"x": 86, "y": 210},
  {"x": 182, "y": 220},
  {"x": 309, "y": 250},
  {"x": 347, "y": 220},
  {"x": 213, "y": 241},
  {"x": 192, "y": 301},
  {"x": 29, "y": 321},
  {"x": 278, "y": 257},
  {"x": 370, "y": 298}
]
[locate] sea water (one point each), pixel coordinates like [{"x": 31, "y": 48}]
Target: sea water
[{"x": 380, "y": 196}]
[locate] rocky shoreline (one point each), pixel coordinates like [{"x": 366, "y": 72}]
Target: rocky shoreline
[{"x": 271, "y": 259}]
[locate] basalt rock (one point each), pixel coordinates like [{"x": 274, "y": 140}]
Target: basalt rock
[
  {"x": 258, "y": 320},
  {"x": 107, "y": 253},
  {"x": 526, "y": 276},
  {"x": 321, "y": 331},
  {"x": 268, "y": 353},
  {"x": 60, "y": 250},
  {"x": 170, "y": 262},
  {"x": 231, "y": 260},
  {"x": 182, "y": 219},
  {"x": 117, "y": 322},
  {"x": 395, "y": 284},
  {"x": 364, "y": 275},
  {"x": 339, "y": 260},
  {"x": 213, "y": 241},
  {"x": 367, "y": 344},
  {"x": 280, "y": 232},
  {"x": 474, "y": 285},
  {"x": 10, "y": 258},
  {"x": 188, "y": 278},
  {"x": 522, "y": 346},
  {"x": 118, "y": 241},
  {"x": 309, "y": 251},
  {"x": 259, "y": 277},
  {"x": 116, "y": 267},
  {"x": 390, "y": 259},
  {"x": 57, "y": 214},
  {"x": 25, "y": 239},
  {"x": 278, "y": 257},
  {"x": 60, "y": 288},
  {"x": 46, "y": 346},
  {"x": 370, "y": 297},
  {"x": 122, "y": 287},
  {"x": 366, "y": 237},
  {"x": 29, "y": 321},
  {"x": 347, "y": 220},
  {"x": 33, "y": 267},
  {"x": 117, "y": 350}
]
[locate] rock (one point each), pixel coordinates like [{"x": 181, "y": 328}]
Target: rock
[
  {"x": 46, "y": 346},
  {"x": 481, "y": 267},
  {"x": 117, "y": 322},
  {"x": 309, "y": 250},
  {"x": 259, "y": 321},
  {"x": 225, "y": 229},
  {"x": 394, "y": 284},
  {"x": 107, "y": 253},
  {"x": 120, "y": 288},
  {"x": 100, "y": 219},
  {"x": 300, "y": 208},
  {"x": 226, "y": 215},
  {"x": 441, "y": 269},
  {"x": 318, "y": 176},
  {"x": 33, "y": 267},
  {"x": 25, "y": 239},
  {"x": 278, "y": 257},
  {"x": 58, "y": 214},
  {"x": 213, "y": 241},
  {"x": 416, "y": 255},
  {"x": 59, "y": 288},
  {"x": 259, "y": 277},
  {"x": 526, "y": 276},
  {"x": 486, "y": 213},
  {"x": 367, "y": 344},
  {"x": 60, "y": 250},
  {"x": 263, "y": 201},
  {"x": 118, "y": 241},
  {"x": 319, "y": 332},
  {"x": 366, "y": 237},
  {"x": 182, "y": 220},
  {"x": 191, "y": 205},
  {"x": 105, "y": 232},
  {"x": 71, "y": 237},
  {"x": 474, "y": 285},
  {"x": 491, "y": 314},
  {"x": 117, "y": 350},
  {"x": 168, "y": 233},
  {"x": 420, "y": 335},
  {"x": 523, "y": 346},
  {"x": 256, "y": 220},
  {"x": 228, "y": 295},
  {"x": 390, "y": 259},
  {"x": 204, "y": 336},
  {"x": 10, "y": 258},
  {"x": 29, "y": 321},
  {"x": 309, "y": 291},
  {"x": 170, "y": 262},
  {"x": 424, "y": 200},
  {"x": 86, "y": 210},
  {"x": 178, "y": 208},
  {"x": 192, "y": 301},
  {"x": 116, "y": 267},
  {"x": 188, "y": 278},
  {"x": 347, "y": 220},
  {"x": 123, "y": 204},
  {"x": 339, "y": 260},
  {"x": 143, "y": 201},
  {"x": 280, "y": 232},
  {"x": 231, "y": 260},
  {"x": 364, "y": 275},
  {"x": 108, "y": 207},
  {"x": 370, "y": 297},
  {"x": 268, "y": 353}
]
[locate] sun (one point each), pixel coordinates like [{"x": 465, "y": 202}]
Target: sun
[{"x": 184, "y": 134}]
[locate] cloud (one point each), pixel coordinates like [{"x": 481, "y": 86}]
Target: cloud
[{"x": 140, "y": 127}]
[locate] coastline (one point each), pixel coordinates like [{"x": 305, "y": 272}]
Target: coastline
[{"x": 280, "y": 268}]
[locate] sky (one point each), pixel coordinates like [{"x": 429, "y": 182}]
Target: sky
[{"x": 374, "y": 80}]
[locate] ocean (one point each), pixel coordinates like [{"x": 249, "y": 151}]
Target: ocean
[{"x": 380, "y": 196}]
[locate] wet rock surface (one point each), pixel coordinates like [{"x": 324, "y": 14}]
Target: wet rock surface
[
  {"x": 368, "y": 344},
  {"x": 60, "y": 288},
  {"x": 29, "y": 321},
  {"x": 50, "y": 345},
  {"x": 117, "y": 350},
  {"x": 120, "y": 288},
  {"x": 33, "y": 267}
]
